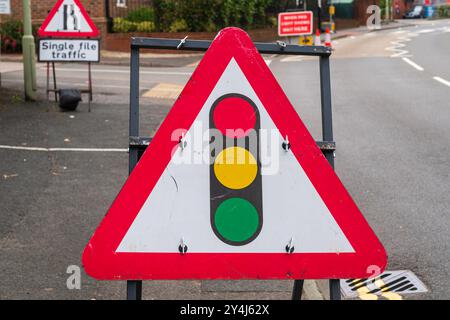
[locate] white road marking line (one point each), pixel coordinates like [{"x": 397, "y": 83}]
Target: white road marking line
[
  {"x": 399, "y": 31},
  {"x": 193, "y": 64},
  {"x": 398, "y": 44},
  {"x": 413, "y": 64},
  {"x": 6, "y": 67},
  {"x": 23, "y": 148},
  {"x": 352, "y": 37},
  {"x": 89, "y": 149},
  {"x": 169, "y": 73},
  {"x": 426, "y": 31},
  {"x": 75, "y": 84},
  {"x": 443, "y": 81},
  {"x": 268, "y": 62},
  {"x": 63, "y": 149}
]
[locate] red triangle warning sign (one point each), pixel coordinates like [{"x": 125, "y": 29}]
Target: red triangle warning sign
[
  {"x": 233, "y": 186},
  {"x": 68, "y": 19}
]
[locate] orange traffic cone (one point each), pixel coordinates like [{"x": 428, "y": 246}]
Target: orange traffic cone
[
  {"x": 317, "y": 40},
  {"x": 327, "y": 38}
]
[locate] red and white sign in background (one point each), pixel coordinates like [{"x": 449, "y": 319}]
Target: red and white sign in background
[{"x": 295, "y": 23}]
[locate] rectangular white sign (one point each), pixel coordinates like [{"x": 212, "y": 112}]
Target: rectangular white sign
[
  {"x": 5, "y": 7},
  {"x": 69, "y": 50}
]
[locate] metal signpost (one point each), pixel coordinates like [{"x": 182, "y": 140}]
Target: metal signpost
[
  {"x": 178, "y": 219},
  {"x": 67, "y": 36}
]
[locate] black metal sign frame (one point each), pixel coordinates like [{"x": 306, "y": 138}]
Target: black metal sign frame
[
  {"x": 137, "y": 144},
  {"x": 51, "y": 63}
]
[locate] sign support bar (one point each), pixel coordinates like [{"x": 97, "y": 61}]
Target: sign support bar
[
  {"x": 55, "y": 89},
  {"x": 327, "y": 135},
  {"x": 297, "y": 290},
  {"x": 203, "y": 45},
  {"x": 134, "y": 287}
]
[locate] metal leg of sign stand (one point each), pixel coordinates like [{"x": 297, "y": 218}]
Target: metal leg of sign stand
[
  {"x": 48, "y": 90},
  {"x": 55, "y": 90},
  {"x": 297, "y": 290},
  {"x": 325, "y": 97},
  {"x": 335, "y": 289},
  {"x": 48, "y": 80},
  {"x": 327, "y": 135},
  {"x": 90, "y": 86},
  {"x": 134, "y": 290},
  {"x": 134, "y": 287}
]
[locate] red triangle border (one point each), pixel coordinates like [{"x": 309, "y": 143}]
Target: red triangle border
[
  {"x": 102, "y": 262},
  {"x": 92, "y": 34}
]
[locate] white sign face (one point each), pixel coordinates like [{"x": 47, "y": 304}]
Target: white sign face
[
  {"x": 312, "y": 229},
  {"x": 69, "y": 50},
  {"x": 5, "y": 7}
]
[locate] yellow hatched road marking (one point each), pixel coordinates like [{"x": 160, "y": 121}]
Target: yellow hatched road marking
[
  {"x": 363, "y": 292},
  {"x": 164, "y": 91},
  {"x": 193, "y": 64},
  {"x": 387, "y": 294}
]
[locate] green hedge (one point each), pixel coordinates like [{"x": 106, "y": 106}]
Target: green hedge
[
  {"x": 444, "y": 11},
  {"x": 122, "y": 25},
  {"x": 211, "y": 15},
  {"x": 11, "y": 33},
  {"x": 141, "y": 14},
  {"x": 201, "y": 15}
]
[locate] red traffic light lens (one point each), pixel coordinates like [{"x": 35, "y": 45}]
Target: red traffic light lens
[{"x": 234, "y": 116}]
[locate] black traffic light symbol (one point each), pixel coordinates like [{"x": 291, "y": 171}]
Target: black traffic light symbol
[{"x": 235, "y": 172}]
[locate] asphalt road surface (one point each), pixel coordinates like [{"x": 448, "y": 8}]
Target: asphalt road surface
[{"x": 391, "y": 104}]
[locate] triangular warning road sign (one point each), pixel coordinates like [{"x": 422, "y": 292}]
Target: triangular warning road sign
[
  {"x": 68, "y": 19},
  {"x": 206, "y": 202}
]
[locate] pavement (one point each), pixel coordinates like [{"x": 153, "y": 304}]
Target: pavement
[{"x": 391, "y": 94}]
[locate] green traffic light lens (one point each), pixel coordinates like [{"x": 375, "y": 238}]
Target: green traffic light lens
[{"x": 236, "y": 220}]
